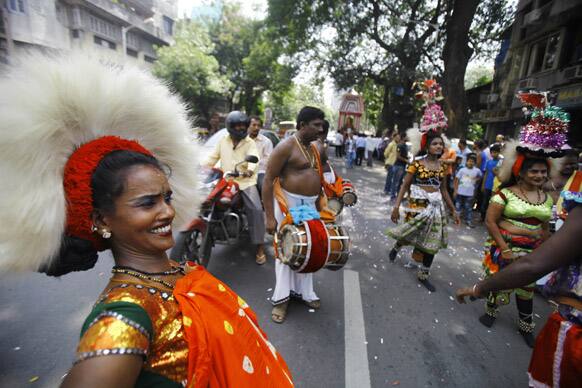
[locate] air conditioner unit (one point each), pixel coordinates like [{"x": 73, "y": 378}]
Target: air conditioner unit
[
  {"x": 527, "y": 83},
  {"x": 573, "y": 72},
  {"x": 532, "y": 17}
]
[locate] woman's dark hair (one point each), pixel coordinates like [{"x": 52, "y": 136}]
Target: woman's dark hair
[
  {"x": 107, "y": 183},
  {"x": 108, "y": 180},
  {"x": 528, "y": 163}
]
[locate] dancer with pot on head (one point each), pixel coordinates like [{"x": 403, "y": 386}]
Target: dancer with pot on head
[
  {"x": 556, "y": 360},
  {"x": 426, "y": 219},
  {"x": 519, "y": 213},
  {"x": 95, "y": 180}
]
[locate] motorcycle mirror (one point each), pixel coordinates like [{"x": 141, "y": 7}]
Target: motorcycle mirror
[{"x": 251, "y": 159}]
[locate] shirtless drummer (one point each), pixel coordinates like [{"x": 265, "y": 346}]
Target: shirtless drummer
[{"x": 294, "y": 163}]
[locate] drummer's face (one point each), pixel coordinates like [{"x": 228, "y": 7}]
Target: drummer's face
[
  {"x": 313, "y": 129},
  {"x": 141, "y": 221}
]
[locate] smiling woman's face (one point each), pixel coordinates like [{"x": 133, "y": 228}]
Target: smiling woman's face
[{"x": 143, "y": 213}]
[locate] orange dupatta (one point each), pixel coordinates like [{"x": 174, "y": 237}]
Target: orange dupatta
[{"x": 226, "y": 346}]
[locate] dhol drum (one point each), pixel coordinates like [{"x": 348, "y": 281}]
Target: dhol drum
[
  {"x": 349, "y": 197},
  {"x": 336, "y": 205},
  {"x": 313, "y": 245}
]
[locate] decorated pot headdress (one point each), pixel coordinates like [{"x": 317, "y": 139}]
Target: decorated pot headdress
[
  {"x": 544, "y": 135},
  {"x": 59, "y": 116},
  {"x": 433, "y": 120}
]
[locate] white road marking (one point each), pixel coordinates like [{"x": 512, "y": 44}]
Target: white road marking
[{"x": 356, "y": 366}]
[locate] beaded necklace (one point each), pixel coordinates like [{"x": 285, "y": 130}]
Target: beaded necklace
[{"x": 526, "y": 198}]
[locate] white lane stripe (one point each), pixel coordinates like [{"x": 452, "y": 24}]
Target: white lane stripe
[{"x": 356, "y": 350}]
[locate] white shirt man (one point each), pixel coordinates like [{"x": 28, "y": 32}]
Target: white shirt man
[{"x": 264, "y": 148}]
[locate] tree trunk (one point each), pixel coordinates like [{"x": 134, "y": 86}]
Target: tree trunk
[
  {"x": 456, "y": 55},
  {"x": 386, "y": 120}
]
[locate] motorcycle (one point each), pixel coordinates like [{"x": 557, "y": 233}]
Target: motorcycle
[{"x": 221, "y": 220}]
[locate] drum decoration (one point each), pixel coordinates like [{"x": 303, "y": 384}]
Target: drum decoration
[
  {"x": 349, "y": 197},
  {"x": 336, "y": 205},
  {"x": 313, "y": 245}
]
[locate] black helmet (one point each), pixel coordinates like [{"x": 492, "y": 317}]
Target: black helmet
[{"x": 235, "y": 118}]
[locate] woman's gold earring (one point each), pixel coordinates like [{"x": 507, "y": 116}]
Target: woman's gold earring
[{"x": 106, "y": 234}]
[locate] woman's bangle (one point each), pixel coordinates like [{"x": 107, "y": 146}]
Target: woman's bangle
[{"x": 506, "y": 250}]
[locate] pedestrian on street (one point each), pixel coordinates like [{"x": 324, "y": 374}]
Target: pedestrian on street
[
  {"x": 84, "y": 182},
  {"x": 360, "y": 148},
  {"x": 425, "y": 222},
  {"x": 462, "y": 150},
  {"x": 390, "y": 155},
  {"x": 350, "y": 146},
  {"x": 556, "y": 360},
  {"x": 339, "y": 144},
  {"x": 399, "y": 167},
  {"x": 466, "y": 181},
  {"x": 489, "y": 178}
]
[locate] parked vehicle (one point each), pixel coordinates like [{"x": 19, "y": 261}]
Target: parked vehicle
[{"x": 221, "y": 220}]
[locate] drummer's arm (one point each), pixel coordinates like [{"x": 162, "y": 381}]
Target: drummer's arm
[{"x": 275, "y": 167}]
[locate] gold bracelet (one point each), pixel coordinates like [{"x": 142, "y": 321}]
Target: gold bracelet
[{"x": 506, "y": 250}]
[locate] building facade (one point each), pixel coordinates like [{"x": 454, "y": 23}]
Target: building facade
[
  {"x": 122, "y": 30},
  {"x": 541, "y": 51}
]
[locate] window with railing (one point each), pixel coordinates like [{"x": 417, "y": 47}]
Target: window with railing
[
  {"x": 103, "y": 27},
  {"x": 543, "y": 55},
  {"x": 104, "y": 42},
  {"x": 16, "y": 6},
  {"x": 132, "y": 40},
  {"x": 168, "y": 26}
]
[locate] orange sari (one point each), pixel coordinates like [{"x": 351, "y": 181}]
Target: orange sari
[{"x": 226, "y": 347}]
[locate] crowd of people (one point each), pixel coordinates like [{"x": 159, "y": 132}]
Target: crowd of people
[{"x": 95, "y": 181}]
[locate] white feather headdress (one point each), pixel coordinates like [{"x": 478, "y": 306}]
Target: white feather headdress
[
  {"x": 51, "y": 105},
  {"x": 509, "y": 153}
]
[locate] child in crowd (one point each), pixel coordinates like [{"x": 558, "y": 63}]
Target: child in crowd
[
  {"x": 466, "y": 181},
  {"x": 489, "y": 177}
]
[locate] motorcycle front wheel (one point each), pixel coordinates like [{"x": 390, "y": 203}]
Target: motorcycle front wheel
[{"x": 192, "y": 245}]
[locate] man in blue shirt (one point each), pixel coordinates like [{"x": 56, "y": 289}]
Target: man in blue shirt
[{"x": 490, "y": 171}]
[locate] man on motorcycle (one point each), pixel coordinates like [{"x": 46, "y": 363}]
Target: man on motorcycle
[
  {"x": 230, "y": 151},
  {"x": 293, "y": 166}
]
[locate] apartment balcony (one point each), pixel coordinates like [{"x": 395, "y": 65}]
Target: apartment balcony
[
  {"x": 144, "y": 8},
  {"x": 123, "y": 13}
]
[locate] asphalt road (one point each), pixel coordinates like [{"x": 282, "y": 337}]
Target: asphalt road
[{"x": 377, "y": 326}]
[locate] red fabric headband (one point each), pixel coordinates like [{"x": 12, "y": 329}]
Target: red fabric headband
[
  {"x": 77, "y": 183},
  {"x": 516, "y": 168}
]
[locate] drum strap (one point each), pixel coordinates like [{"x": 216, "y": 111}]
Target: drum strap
[{"x": 330, "y": 190}]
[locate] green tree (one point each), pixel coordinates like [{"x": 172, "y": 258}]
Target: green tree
[
  {"x": 248, "y": 58},
  {"x": 191, "y": 70},
  {"x": 475, "y": 132},
  {"x": 393, "y": 43},
  {"x": 286, "y": 105}
]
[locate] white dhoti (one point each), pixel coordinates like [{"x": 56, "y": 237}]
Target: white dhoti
[{"x": 288, "y": 282}]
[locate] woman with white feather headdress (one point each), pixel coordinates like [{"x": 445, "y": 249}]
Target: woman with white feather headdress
[
  {"x": 97, "y": 157},
  {"x": 425, "y": 220}
]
